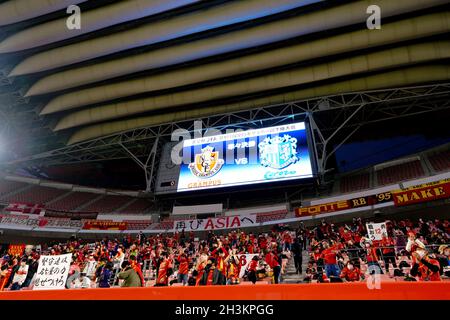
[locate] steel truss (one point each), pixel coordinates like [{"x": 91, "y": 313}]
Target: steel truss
[{"x": 333, "y": 120}]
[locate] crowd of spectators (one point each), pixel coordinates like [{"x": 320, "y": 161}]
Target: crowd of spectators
[
  {"x": 413, "y": 250},
  {"x": 178, "y": 258}
]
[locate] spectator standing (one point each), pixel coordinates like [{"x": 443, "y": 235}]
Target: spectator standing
[
  {"x": 233, "y": 268},
  {"x": 212, "y": 275},
  {"x": 330, "y": 261},
  {"x": 183, "y": 269},
  {"x": 32, "y": 269},
  {"x": 251, "y": 275},
  {"x": 129, "y": 276},
  {"x": 274, "y": 262},
  {"x": 388, "y": 252},
  {"x": 297, "y": 252},
  {"x": 105, "y": 276},
  {"x": 371, "y": 256},
  {"x": 287, "y": 239},
  {"x": 164, "y": 270}
]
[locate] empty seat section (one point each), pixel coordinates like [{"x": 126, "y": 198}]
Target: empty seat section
[
  {"x": 37, "y": 195},
  {"x": 273, "y": 216},
  {"x": 401, "y": 172},
  {"x": 138, "y": 206},
  {"x": 73, "y": 201},
  {"x": 137, "y": 224},
  {"x": 7, "y": 187},
  {"x": 355, "y": 182},
  {"x": 440, "y": 161},
  {"x": 107, "y": 204}
]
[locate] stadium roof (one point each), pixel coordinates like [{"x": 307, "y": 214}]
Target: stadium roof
[{"x": 140, "y": 63}]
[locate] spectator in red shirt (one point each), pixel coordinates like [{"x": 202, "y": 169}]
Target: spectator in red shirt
[
  {"x": 388, "y": 252},
  {"x": 164, "y": 271},
  {"x": 220, "y": 255},
  {"x": 183, "y": 269},
  {"x": 350, "y": 273},
  {"x": 252, "y": 269},
  {"x": 425, "y": 267},
  {"x": 287, "y": 238},
  {"x": 330, "y": 261},
  {"x": 274, "y": 262},
  {"x": 371, "y": 256}
]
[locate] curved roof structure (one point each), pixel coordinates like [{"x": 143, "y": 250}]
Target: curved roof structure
[{"x": 145, "y": 62}]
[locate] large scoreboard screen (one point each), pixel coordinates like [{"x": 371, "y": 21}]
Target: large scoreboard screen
[{"x": 246, "y": 157}]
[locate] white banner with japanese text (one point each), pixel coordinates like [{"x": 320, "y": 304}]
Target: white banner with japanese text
[{"x": 52, "y": 272}]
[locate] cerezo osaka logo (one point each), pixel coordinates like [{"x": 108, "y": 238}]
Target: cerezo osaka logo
[
  {"x": 278, "y": 152},
  {"x": 207, "y": 163}
]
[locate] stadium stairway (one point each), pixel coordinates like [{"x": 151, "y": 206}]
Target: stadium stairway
[{"x": 290, "y": 275}]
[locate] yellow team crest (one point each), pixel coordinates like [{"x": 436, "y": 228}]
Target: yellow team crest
[{"x": 207, "y": 163}]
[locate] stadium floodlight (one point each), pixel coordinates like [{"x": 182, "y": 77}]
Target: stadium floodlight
[{"x": 324, "y": 105}]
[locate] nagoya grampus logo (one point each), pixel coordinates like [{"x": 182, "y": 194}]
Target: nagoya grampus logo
[
  {"x": 207, "y": 163},
  {"x": 278, "y": 152}
]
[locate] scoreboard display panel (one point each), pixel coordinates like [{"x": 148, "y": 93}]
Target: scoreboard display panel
[{"x": 238, "y": 158}]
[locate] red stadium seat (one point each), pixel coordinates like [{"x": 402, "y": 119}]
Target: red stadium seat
[
  {"x": 440, "y": 161},
  {"x": 10, "y": 186},
  {"x": 401, "y": 172},
  {"x": 37, "y": 195},
  {"x": 73, "y": 201},
  {"x": 355, "y": 182},
  {"x": 137, "y": 206},
  {"x": 107, "y": 204}
]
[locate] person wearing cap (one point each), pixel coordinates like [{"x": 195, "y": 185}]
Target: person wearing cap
[{"x": 425, "y": 267}]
